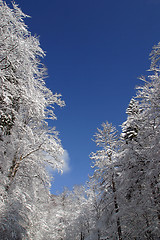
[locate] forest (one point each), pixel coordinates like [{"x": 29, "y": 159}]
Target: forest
[{"x": 120, "y": 201}]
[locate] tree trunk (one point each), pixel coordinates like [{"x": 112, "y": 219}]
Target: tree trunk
[
  {"x": 98, "y": 235},
  {"x": 119, "y": 231},
  {"x": 82, "y": 236}
]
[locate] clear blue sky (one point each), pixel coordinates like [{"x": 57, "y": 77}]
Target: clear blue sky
[{"x": 96, "y": 50}]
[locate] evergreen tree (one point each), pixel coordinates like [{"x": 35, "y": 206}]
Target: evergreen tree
[{"x": 140, "y": 156}]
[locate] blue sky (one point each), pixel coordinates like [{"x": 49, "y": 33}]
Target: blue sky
[{"x": 96, "y": 50}]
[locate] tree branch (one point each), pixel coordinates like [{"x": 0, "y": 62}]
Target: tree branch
[{"x": 15, "y": 166}]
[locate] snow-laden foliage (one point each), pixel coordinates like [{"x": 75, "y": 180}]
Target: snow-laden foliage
[
  {"x": 25, "y": 138},
  {"x": 121, "y": 199},
  {"x": 106, "y": 164}
]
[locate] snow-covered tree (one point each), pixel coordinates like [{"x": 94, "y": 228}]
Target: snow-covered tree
[
  {"x": 140, "y": 158},
  {"x": 28, "y": 145},
  {"x": 106, "y": 164}
]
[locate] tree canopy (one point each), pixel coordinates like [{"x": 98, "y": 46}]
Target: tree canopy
[{"x": 119, "y": 201}]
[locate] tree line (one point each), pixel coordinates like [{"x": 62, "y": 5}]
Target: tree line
[{"x": 119, "y": 201}]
